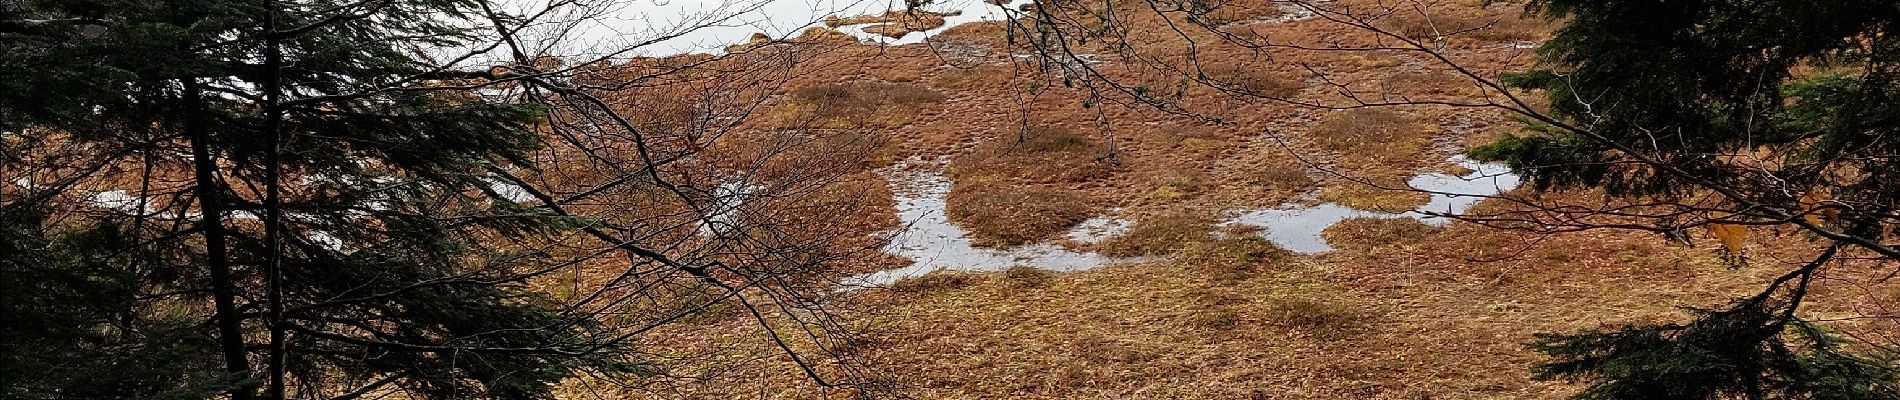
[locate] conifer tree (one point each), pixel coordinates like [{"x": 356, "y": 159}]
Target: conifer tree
[
  {"x": 1652, "y": 101},
  {"x": 284, "y": 198}
]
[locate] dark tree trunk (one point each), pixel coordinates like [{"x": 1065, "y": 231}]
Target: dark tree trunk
[{"x": 211, "y": 206}]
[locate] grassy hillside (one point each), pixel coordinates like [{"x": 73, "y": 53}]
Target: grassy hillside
[{"x": 1402, "y": 310}]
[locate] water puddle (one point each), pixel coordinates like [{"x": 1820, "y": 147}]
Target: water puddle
[
  {"x": 933, "y": 243},
  {"x": 1101, "y": 227},
  {"x": 727, "y": 200},
  {"x": 668, "y": 27},
  {"x": 955, "y": 13},
  {"x": 1293, "y": 12},
  {"x": 1298, "y": 228}
]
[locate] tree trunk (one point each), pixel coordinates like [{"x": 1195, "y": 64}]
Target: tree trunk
[
  {"x": 273, "y": 208},
  {"x": 211, "y": 206}
]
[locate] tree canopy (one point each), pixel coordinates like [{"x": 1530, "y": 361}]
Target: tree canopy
[
  {"x": 1782, "y": 110},
  {"x": 301, "y": 174}
]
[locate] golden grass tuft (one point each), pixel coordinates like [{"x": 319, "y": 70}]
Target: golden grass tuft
[
  {"x": 1175, "y": 183},
  {"x": 1023, "y": 276},
  {"x": 837, "y": 99},
  {"x": 937, "y": 282},
  {"x": 1487, "y": 28},
  {"x": 1214, "y": 317},
  {"x": 1458, "y": 170},
  {"x": 1280, "y": 176},
  {"x": 1357, "y": 129},
  {"x": 1317, "y": 311},
  {"x": 1365, "y": 233},
  {"x": 1366, "y": 197},
  {"x": 1002, "y": 213},
  {"x": 977, "y": 31},
  {"x": 819, "y": 34},
  {"x": 757, "y": 40},
  {"x": 1239, "y": 253},
  {"x": 1372, "y": 139},
  {"x": 1007, "y": 192},
  {"x": 1254, "y": 80},
  {"x": 1041, "y": 154},
  {"x": 1159, "y": 235},
  {"x": 1241, "y": 11}
]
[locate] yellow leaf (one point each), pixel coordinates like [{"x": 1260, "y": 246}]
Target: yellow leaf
[
  {"x": 1731, "y": 235},
  {"x": 1812, "y": 200}
]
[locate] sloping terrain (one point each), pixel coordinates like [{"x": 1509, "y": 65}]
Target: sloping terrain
[{"x": 1400, "y": 310}]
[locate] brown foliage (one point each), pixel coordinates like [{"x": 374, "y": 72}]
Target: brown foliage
[
  {"x": 1159, "y": 235},
  {"x": 1001, "y": 213}
]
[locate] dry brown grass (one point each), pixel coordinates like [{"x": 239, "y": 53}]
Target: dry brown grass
[
  {"x": 1238, "y": 253},
  {"x": 1173, "y": 184},
  {"x": 1027, "y": 277},
  {"x": 819, "y": 34},
  {"x": 842, "y": 95},
  {"x": 1041, "y": 154},
  {"x": 918, "y": 19},
  {"x": 1255, "y": 80},
  {"x": 1403, "y": 322},
  {"x": 1393, "y": 198},
  {"x": 1365, "y": 233},
  {"x": 1321, "y": 316},
  {"x": 936, "y": 281},
  {"x": 1498, "y": 28},
  {"x": 855, "y": 100},
  {"x": 979, "y": 31},
  {"x": 970, "y": 78},
  {"x": 1426, "y": 85},
  {"x": 1002, "y": 213},
  {"x": 1396, "y": 313},
  {"x": 1406, "y": 322},
  {"x": 1239, "y": 11},
  {"x": 1150, "y": 331},
  {"x": 1359, "y": 130},
  {"x": 1373, "y": 140},
  {"x": 1011, "y": 191},
  {"x": 1511, "y": 29},
  {"x": 1159, "y": 235},
  {"x": 1281, "y": 176}
]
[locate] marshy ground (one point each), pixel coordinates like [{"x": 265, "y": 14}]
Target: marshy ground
[{"x": 1399, "y": 309}]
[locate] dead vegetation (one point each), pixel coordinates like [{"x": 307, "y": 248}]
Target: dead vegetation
[
  {"x": 1159, "y": 236},
  {"x": 1238, "y": 252},
  {"x": 1389, "y": 195},
  {"x": 936, "y": 282},
  {"x": 1413, "y": 319},
  {"x": 1402, "y": 310},
  {"x": 1487, "y": 28},
  {"x": 851, "y": 95},
  {"x": 1369, "y": 133},
  {"x": 1003, "y": 213},
  {"x": 1366, "y": 233},
  {"x": 1255, "y": 80},
  {"x": 1281, "y": 177},
  {"x": 1228, "y": 12},
  {"x": 1028, "y": 277},
  {"x": 1016, "y": 189}
]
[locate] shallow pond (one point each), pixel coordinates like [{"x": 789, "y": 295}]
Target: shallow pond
[
  {"x": 933, "y": 243},
  {"x": 667, "y": 27},
  {"x": 1298, "y": 228}
]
